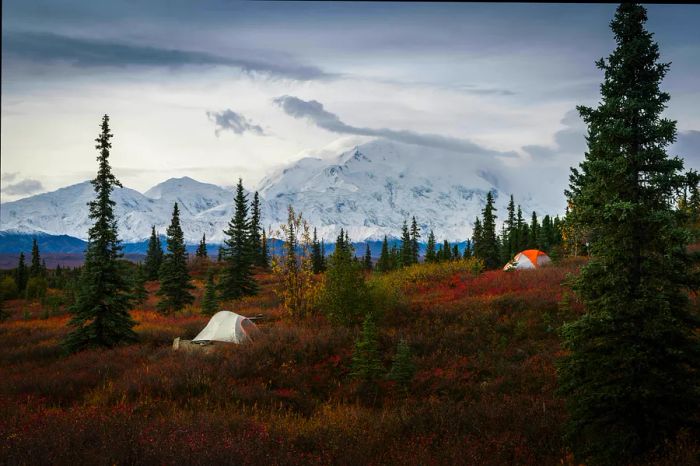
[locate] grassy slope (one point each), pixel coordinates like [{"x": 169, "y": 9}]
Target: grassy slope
[{"x": 483, "y": 392}]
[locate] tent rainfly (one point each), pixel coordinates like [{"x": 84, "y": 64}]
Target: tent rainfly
[
  {"x": 528, "y": 259},
  {"x": 228, "y": 327}
]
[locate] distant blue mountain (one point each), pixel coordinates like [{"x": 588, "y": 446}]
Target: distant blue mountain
[{"x": 14, "y": 243}]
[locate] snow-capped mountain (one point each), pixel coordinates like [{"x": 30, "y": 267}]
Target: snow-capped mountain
[
  {"x": 368, "y": 190},
  {"x": 371, "y": 189},
  {"x": 204, "y": 208}
]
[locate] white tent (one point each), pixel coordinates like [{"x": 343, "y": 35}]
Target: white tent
[{"x": 228, "y": 326}]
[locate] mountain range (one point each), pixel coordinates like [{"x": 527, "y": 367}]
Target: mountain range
[{"x": 369, "y": 190}]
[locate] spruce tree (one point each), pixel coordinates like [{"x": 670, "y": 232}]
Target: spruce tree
[
  {"x": 631, "y": 373},
  {"x": 101, "y": 311},
  {"x": 317, "y": 261},
  {"x": 366, "y": 359},
  {"x": 21, "y": 274},
  {"x": 406, "y": 246},
  {"x": 467, "y": 250},
  {"x": 264, "y": 253},
  {"x": 384, "y": 262},
  {"x": 510, "y": 240},
  {"x": 174, "y": 276},
  {"x": 367, "y": 260},
  {"x": 402, "y": 368},
  {"x": 455, "y": 252},
  {"x": 476, "y": 238},
  {"x": 237, "y": 279},
  {"x": 201, "y": 252},
  {"x": 394, "y": 257},
  {"x": 255, "y": 234},
  {"x": 210, "y": 303},
  {"x": 446, "y": 251},
  {"x": 35, "y": 270},
  {"x": 504, "y": 245},
  {"x": 525, "y": 236},
  {"x": 430, "y": 248},
  {"x": 154, "y": 256},
  {"x": 415, "y": 235},
  {"x": 534, "y": 232},
  {"x": 546, "y": 234},
  {"x": 488, "y": 242},
  {"x": 519, "y": 224}
]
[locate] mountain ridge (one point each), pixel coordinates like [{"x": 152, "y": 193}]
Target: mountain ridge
[{"x": 369, "y": 191}]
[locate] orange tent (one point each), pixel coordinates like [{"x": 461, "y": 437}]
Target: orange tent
[{"x": 528, "y": 259}]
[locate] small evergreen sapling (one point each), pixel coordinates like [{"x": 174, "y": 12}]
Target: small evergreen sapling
[
  {"x": 366, "y": 359},
  {"x": 402, "y": 368},
  {"x": 210, "y": 303}
]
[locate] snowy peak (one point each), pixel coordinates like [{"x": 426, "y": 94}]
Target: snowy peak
[
  {"x": 191, "y": 195},
  {"x": 369, "y": 190}
]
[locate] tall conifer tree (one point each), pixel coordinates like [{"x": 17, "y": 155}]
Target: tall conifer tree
[
  {"x": 384, "y": 262},
  {"x": 255, "y": 234},
  {"x": 446, "y": 251},
  {"x": 488, "y": 249},
  {"x": 21, "y": 273},
  {"x": 264, "y": 252},
  {"x": 201, "y": 251},
  {"x": 430, "y": 248},
  {"x": 101, "y": 312},
  {"x": 631, "y": 374},
  {"x": 35, "y": 270},
  {"x": 154, "y": 256},
  {"x": 237, "y": 279},
  {"x": 406, "y": 246},
  {"x": 367, "y": 260},
  {"x": 520, "y": 242},
  {"x": 534, "y": 232},
  {"x": 415, "y": 235},
  {"x": 467, "y": 250},
  {"x": 511, "y": 239},
  {"x": 317, "y": 261},
  {"x": 476, "y": 238},
  {"x": 174, "y": 276}
]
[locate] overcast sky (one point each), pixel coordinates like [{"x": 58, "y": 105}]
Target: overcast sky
[{"x": 216, "y": 90}]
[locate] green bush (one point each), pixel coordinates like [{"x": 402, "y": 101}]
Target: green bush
[
  {"x": 8, "y": 288},
  {"x": 36, "y": 288},
  {"x": 345, "y": 298}
]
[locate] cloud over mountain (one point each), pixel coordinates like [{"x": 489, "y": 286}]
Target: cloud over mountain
[
  {"x": 314, "y": 112},
  {"x": 228, "y": 120}
]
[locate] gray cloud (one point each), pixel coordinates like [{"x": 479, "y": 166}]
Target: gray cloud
[
  {"x": 232, "y": 121},
  {"x": 27, "y": 186},
  {"x": 9, "y": 177},
  {"x": 472, "y": 89},
  {"x": 570, "y": 140},
  {"x": 43, "y": 47},
  {"x": 687, "y": 146},
  {"x": 313, "y": 111}
]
